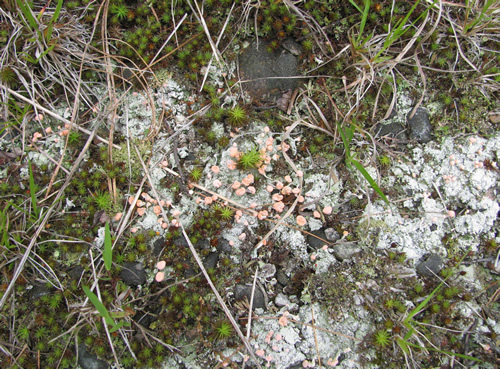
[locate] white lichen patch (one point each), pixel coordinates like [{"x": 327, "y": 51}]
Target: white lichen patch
[
  {"x": 276, "y": 342},
  {"x": 330, "y": 339},
  {"x": 321, "y": 189},
  {"x": 137, "y": 118},
  {"x": 451, "y": 191}
]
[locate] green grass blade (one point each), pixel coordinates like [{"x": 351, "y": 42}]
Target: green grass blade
[
  {"x": 462, "y": 356},
  {"x": 28, "y": 14},
  {"x": 108, "y": 251},
  {"x": 422, "y": 305},
  {"x": 4, "y": 226},
  {"x": 346, "y": 135},
  {"x": 370, "y": 180},
  {"x": 403, "y": 345},
  {"x": 356, "y": 6},
  {"x": 480, "y": 17},
  {"x": 398, "y": 31},
  {"x": 364, "y": 17},
  {"x": 53, "y": 20},
  {"x": 118, "y": 326},
  {"x": 99, "y": 306},
  {"x": 49, "y": 49},
  {"x": 33, "y": 192}
]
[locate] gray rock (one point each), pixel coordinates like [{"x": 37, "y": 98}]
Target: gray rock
[
  {"x": 211, "y": 260},
  {"x": 292, "y": 47},
  {"x": 158, "y": 246},
  {"x": 76, "y": 272},
  {"x": 315, "y": 242},
  {"x": 241, "y": 292},
  {"x": 420, "y": 126},
  {"x": 202, "y": 244},
  {"x": 430, "y": 265},
  {"x": 281, "y": 300},
  {"x": 282, "y": 278},
  {"x": 345, "y": 250},
  {"x": 332, "y": 235},
  {"x": 88, "y": 360},
  {"x": 189, "y": 272},
  {"x": 39, "y": 290},
  {"x": 261, "y": 67},
  {"x": 133, "y": 274},
  {"x": 224, "y": 246},
  {"x": 181, "y": 242},
  {"x": 395, "y": 130}
]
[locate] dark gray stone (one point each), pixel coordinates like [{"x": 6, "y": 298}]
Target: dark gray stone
[
  {"x": 76, "y": 272},
  {"x": 39, "y": 290},
  {"x": 420, "y": 126},
  {"x": 158, "y": 245},
  {"x": 189, "y": 272},
  {"x": 133, "y": 274},
  {"x": 241, "y": 292},
  {"x": 315, "y": 242},
  {"x": 180, "y": 241},
  {"x": 261, "y": 67},
  {"x": 282, "y": 278},
  {"x": 224, "y": 246},
  {"x": 88, "y": 360},
  {"x": 202, "y": 244},
  {"x": 344, "y": 251},
  {"x": 211, "y": 260},
  {"x": 430, "y": 265},
  {"x": 394, "y": 130}
]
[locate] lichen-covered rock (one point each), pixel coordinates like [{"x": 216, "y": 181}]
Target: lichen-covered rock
[{"x": 420, "y": 126}]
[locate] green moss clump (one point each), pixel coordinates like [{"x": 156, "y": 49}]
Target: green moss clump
[
  {"x": 123, "y": 155},
  {"x": 250, "y": 159},
  {"x": 237, "y": 116}
]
